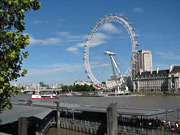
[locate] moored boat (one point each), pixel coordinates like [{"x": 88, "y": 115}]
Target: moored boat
[
  {"x": 45, "y": 96},
  {"x": 37, "y": 95},
  {"x": 66, "y": 95}
]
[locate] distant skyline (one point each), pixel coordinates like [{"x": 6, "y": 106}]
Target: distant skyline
[{"x": 59, "y": 29}]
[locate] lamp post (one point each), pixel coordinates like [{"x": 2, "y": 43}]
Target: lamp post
[
  {"x": 166, "y": 114},
  {"x": 177, "y": 113}
]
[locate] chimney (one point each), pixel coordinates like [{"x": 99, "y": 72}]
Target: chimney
[
  {"x": 151, "y": 70},
  {"x": 157, "y": 70},
  {"x": 140, "y": 71},
  {"x": 170, "y": 67}
]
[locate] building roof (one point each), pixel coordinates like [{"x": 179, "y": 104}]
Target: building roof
[
  {"x": 18, "y": 111},
  {"x": 83, "y": 83},
  {"x": 125, "y": 111},
  {"x": 144, "y": 51},
  {"x": 102, "y": 109},
  {"x": 160, "y": 72},
  {"x": 175, "y": 69},
  {"x": 147, "y": 112},
  {"x": 1, "y": 133}
]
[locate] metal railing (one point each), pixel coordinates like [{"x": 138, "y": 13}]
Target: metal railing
[
  {"x": 89, "y": 127},
  {"x": 127, "y": 130}
]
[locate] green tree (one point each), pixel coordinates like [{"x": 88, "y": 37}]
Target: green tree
[
  {"x": 12, "y": 43},
  {"x": 72, "y": 87},
  {"x": 41, "y": 84},
  {"x": 91, "y": 88},
  {"x": 65, "y": 88},
  {"x": 83, "y": 87}
]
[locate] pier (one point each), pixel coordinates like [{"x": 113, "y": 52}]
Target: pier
[{"x": 90, "y": 119}]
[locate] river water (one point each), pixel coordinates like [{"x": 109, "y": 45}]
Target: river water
[{"x": 156, "y": 102}]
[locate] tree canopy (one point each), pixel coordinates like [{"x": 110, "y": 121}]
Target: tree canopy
[
  {"x": 78, "y": 88},
  {"x": 12, "y": 43}
]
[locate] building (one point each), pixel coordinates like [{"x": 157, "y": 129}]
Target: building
[
  {"x": 56, "y": 86},
  {"x": 144, "y": 61},
  {"x": 83, "y": 83},
  {"x": 111, "y": 82},
  {"x": 174, "y": 78},
  {"x": 159, "y": 80}
]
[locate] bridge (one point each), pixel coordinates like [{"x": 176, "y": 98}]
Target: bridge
[{"x": 41, "y": 90}]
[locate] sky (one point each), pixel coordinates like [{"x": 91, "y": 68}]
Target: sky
[{"x": 58, "y": 30}]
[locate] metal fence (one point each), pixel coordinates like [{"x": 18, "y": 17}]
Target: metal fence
[
  {"x": 127, "y": 130},
  {"x": 89, "y": 127}
]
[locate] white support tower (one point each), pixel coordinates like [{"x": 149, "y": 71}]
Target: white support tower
[{"x": 113, "y": 63}]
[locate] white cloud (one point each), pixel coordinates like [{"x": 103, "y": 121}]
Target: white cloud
[
  {"x": 38, "y": 22},
  {"x": 80, "y": 44},
  {"x": 95, "y": 64},
  {"x": 110, "y": 28},
  {"x": 168, "y": 55},
  {"x": 98, "y": 39},
  {"x": 56, "y": 68},
  {"x": 38, "y": 72},
  {"x": 72, "y": 49},
  {"x": 67, "y": 35},
  {"x": 96, "y": 43},
  {"x": 56, "y": 73},
  {"x": 137, "y": 10},
  {"x": 48, "y": 41},
  {"x": 61, "y": 37},
  {"x": 100, "y": 65},
  {"x": 105, "y": 65}
]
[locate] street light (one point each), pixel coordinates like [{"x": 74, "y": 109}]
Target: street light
[
  {"x": 177, "y": 113},
  {"x": 166, "y": 111}
]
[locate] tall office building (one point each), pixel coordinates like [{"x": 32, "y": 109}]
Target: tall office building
[{"x": 144, "y": 61}]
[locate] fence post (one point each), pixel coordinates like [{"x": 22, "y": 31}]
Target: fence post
[
  {"x": 22, "y": 126},
  {"x": 57, "y": 115},
  {"x": 112, "y": 119}
]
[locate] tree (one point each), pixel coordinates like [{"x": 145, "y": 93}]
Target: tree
[
  {"x": 65, "y": 88},
  {"x": 12, "y": 43},
  {"x": 41, "y": 84}
]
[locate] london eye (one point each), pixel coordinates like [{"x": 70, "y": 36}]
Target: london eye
[{"x": 110, "y": 52}]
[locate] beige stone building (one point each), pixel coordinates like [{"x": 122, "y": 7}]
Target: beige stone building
[
  {"x": 159, "y": 80},
  {"x": 111, "y": 82},
  {"x": 144, "y": 61}
]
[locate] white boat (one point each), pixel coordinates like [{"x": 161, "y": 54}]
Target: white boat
[
  {"x": 66, "y": 95},
  {"x": 77, "y": 93},
  {"x": 37, "y": 95},
  {"x": 45, "y": 96},
  {"x": 119, "y": 92}
]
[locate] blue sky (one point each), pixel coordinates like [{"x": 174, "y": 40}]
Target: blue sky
[{"x": 60, "y": 26}]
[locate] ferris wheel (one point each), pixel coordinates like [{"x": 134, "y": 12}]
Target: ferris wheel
[{"x": 110, "y": 52}]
